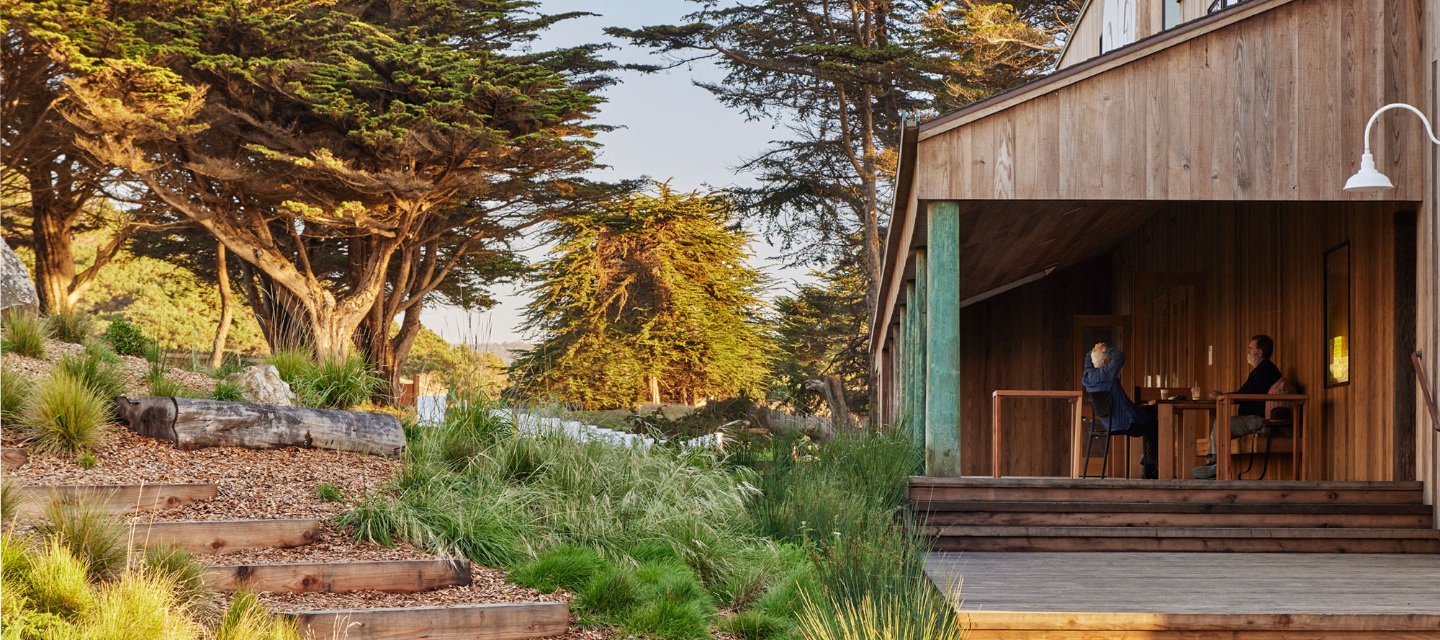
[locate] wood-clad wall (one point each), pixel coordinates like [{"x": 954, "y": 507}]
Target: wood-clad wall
[
  {"x": 1023, "y": 339},
  {"x": 1428, "y": 263},
  {"x": 1271, "y": 107}
]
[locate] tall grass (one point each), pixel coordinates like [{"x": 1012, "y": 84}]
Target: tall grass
[
  {"x": 14, "y": 393},
  {"x": 64, "y": 416},
  {"x": 96, "y": 538},
  {"x": 23, "y": 333},
  {"x": 70, "y": 324},
  {"x": 326, "y": 384},
  {"x": 98, "y": 374}
]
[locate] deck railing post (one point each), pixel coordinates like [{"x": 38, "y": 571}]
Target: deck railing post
[
  {"x": 917, "y": 424},
  {"x": 942, "y": 340}
]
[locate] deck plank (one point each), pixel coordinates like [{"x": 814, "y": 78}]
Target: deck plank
[{"x": 1191, "y": 583}]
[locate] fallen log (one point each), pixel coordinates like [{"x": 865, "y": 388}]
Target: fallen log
[{"x": 192, "y": 423}]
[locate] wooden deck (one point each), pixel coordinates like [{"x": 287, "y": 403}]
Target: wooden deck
[{"x": 1192, "y": 595}]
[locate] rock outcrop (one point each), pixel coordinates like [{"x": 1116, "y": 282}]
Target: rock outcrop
[
  {"x": 261, "y": 384},
  {"x": 16, "y": 287}
]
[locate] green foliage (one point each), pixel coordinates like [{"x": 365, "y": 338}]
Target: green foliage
[
  {"x": 291, "y": 364},
  {"x": 914, "y": 613},
  {"x": 227, "y": 392},
  {"x": 187, "y": 575},
  {"x": 24, "y": 334},
  {"x": 64, "y": 415},
  {"x": 130, "y": 340},
  {"x": 327, "y": 492},
  {"x": 460, "y": 367},
  {"x": 87, "y": 460},
  {"x": 654, "y": 286},
  {"x": 90, "y": 367},
  {"x": 162, "y": 386},
  {"x": 567, "y": 566},
  {"x": 14, "y": 393},
  {"x": 9, "y": 499},
  {"x": 337, "y": 383},
  {"x": 96, "y": 538},
  {"x": 610, "y": 592},
  {"x": 823, "y": 329},
  {"x": 70, "y": 324},
  {"x": 247, "y": 619},
  {"x": 53, "y": 581}
]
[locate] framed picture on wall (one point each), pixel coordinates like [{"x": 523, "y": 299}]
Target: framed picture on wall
[{"x": 1337, "y": 316}]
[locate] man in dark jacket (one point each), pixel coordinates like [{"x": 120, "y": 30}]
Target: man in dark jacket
[
  {"x": 1102, "y": 373},
  {"x": 1250, "y": 415}
]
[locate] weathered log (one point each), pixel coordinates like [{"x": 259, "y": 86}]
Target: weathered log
[{"x": 192, "y": 423}]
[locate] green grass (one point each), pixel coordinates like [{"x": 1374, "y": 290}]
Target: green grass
[
  {"x": 90, "y": 367},
  {"x": 164, "y": 387},
  {"x": 14, "y": 393},
  {"x": 9, "y": 500},
  {"x": 23, "y": 333},
  {"x": 567, "y": 566},
  {"x": 292, "y": 364},
  {"x": 71, "y": 325},
  {"x": 129, "y": 340},
  {"x": 247, "y": 619},
  {"x": 327, "y": 492},
  {"x": 96, "y": 538},
  {"x": 328, "y": 384},
  {"x": 64, "y": 416},
  {"x": 227, "y": 392},
  {"x": 187, "y": 575}
]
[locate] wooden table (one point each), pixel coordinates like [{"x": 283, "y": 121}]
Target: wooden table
[
  {"x": 1222, "y": 442},
  {"x": 1167, "y": 411},
  {"x": 1076, "y": 458}
]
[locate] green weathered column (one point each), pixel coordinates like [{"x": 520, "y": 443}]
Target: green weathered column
[
  {"x": 911, "y": 349},
  {"x": 942, "y": 340},
  {"x": 917, "y": 425},
  {"x": 902, "y": 379}
]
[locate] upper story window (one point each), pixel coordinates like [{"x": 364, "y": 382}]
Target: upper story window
[
  {"x": 1117, "y": 25},
  {"x": 1172, "y": 14},
  {"x": 1221, "y": 5}
]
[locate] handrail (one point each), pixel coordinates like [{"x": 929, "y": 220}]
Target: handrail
[{"x": 1424, "y": 383}]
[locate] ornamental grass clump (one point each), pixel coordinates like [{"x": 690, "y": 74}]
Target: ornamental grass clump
[
  {"x": 70, "y": 324},
  {"x": 96, "y": 538},
  {"x": 247, "y": 619},
  {"x": 64, "y": 416},
  {"x": 14, "y": 393},
  {"x": 23, "y": 333},
  {"x": 103, "y": 377}
]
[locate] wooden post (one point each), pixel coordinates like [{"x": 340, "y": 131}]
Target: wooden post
[
  {"x": 902, "y": 376},
  {"x": 942, "y": 340},
  {"x": 907, "y": 328},
  {"x": 917, "y": 427}
]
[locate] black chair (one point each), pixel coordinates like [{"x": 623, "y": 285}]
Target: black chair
[
  {"x": 1100, "y": 404},
  {"x": 1279, "y": 424}
]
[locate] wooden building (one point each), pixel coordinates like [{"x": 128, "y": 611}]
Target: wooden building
[{"x": 1174, "y": 188}]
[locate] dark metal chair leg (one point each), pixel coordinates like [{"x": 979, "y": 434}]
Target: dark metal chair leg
[{"x": 1105, "y": 463}]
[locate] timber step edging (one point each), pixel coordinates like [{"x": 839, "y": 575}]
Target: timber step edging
[
  {"x": 13, "y": 458},
  {"x": 391, "y": 576},
  {"x": 1186, "y": 520},
  {"x": 1201, "y": 622},
  {"x": 1192, "y": 494},
  {"x": 1188, "y": 545},
  {"x": 227, "y": 536},
  {"x": 132, "y": 498},
  {"x": 1040, "y": 506},
  {"x": 511, "y": 621}
]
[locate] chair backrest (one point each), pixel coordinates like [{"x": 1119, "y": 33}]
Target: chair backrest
[
  {"x": 1101, "y": 402},
  {"x": 1279, "y": 410}
]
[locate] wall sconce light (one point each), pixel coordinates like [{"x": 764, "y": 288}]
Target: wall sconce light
[{"x": 1367, "y": 178}]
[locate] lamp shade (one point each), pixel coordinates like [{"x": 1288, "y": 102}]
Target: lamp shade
[{"x": 1367, "y": 178}]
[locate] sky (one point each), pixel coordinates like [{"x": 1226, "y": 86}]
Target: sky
[{"x": 669, "y": 130}]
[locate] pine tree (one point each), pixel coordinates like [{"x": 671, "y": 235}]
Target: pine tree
[{"x": 646, "y": 299}]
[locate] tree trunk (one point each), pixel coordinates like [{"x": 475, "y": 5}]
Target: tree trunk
[
  {"x": 654, "y": 390},
  {"x": 222, "y": 276},
  {"x": 54, "y": 258},
  {"x": 193, "y": 424}
]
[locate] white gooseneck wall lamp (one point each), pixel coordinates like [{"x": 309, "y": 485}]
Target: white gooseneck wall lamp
[{"x": 1367, "y": 178}]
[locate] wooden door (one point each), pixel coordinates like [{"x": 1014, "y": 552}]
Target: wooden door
[{"x": 1169, "y": 350}]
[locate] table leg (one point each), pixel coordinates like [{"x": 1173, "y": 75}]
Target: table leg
[
  {"x": 995, "y": 439},
  {"x": 1077, "y": 456},
  {"x": 1167, "y": 442},
  {"x": 1222, "y": 442}
]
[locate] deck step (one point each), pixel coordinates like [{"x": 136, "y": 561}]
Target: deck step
[
  {"x": 1125, "y": 514},
  {"x": 134, "y": 498},
  {"x": 1007, "y": 625},
  {"x": 1162, "y": 491},
  {"x": 13, "y": 458},
  {"x": 464, "y": 622},
  {"x": 227, "y": 536},
  {"x": 1243, "y": 539},
  {"x": 394, "y": 576}
]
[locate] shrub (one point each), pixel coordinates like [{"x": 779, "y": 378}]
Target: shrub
[
  {"x": 187, "y": 575},
  {"x": 24, "y": 333},
  {"x": 94, "y": 537},
  {"x": 105, "y": 379},
  {"x": 64, "y": 416},
  {"x": 227, "y": 392},
  {"x": 54, "y": 582},
  {"x": 70, "y": 324},
  {"x": 14, "y": 392},
  {"x": 327, "y": 492},
  {"x": 247, "y": 619},
  {"x": 129, "y": 340},
  {"x": 292, "y": 364},
  {"x": 337, "y": 384},
  {"x": 567, "y": 566},
  {"x": 139, "y": 605}
]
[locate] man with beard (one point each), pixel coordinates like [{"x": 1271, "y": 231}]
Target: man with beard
[{"x": 1251, "y": 415}]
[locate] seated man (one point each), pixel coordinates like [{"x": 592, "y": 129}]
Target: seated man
[
  {"x": 1250, "y": 415},
  {"x": 1102, "y": 373}
]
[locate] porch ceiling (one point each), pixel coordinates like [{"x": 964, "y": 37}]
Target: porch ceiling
[{"x": 1004, "y": 241}]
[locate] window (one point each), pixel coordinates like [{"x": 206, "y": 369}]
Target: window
[
  {"x": 1171, "y": 9},
  {"x": 1337, "y": 316}
]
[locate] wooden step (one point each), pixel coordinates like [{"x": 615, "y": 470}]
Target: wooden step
[
  {"x": 1300, "y": 540},
  {"x": 227, "y": 536},
  {"x": 940, "y": 506},
  {"x": 1150, "y": 519},
  {"x": 1161, "y": 491},
  {"x": 463, "y": 622},
  {"x": 394, "y": 576},
  {"x": 1006, "y": 625},
  {"x": 113, "y": 498},
  {"x": 11, "y": 458}
]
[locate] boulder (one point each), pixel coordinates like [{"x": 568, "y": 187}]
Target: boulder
[
  {"x": 16, "y": 287},
  {"x": 261, "y": 384}
]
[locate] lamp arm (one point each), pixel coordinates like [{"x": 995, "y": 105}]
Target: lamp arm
[{"x": 1398, "y": 105}]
